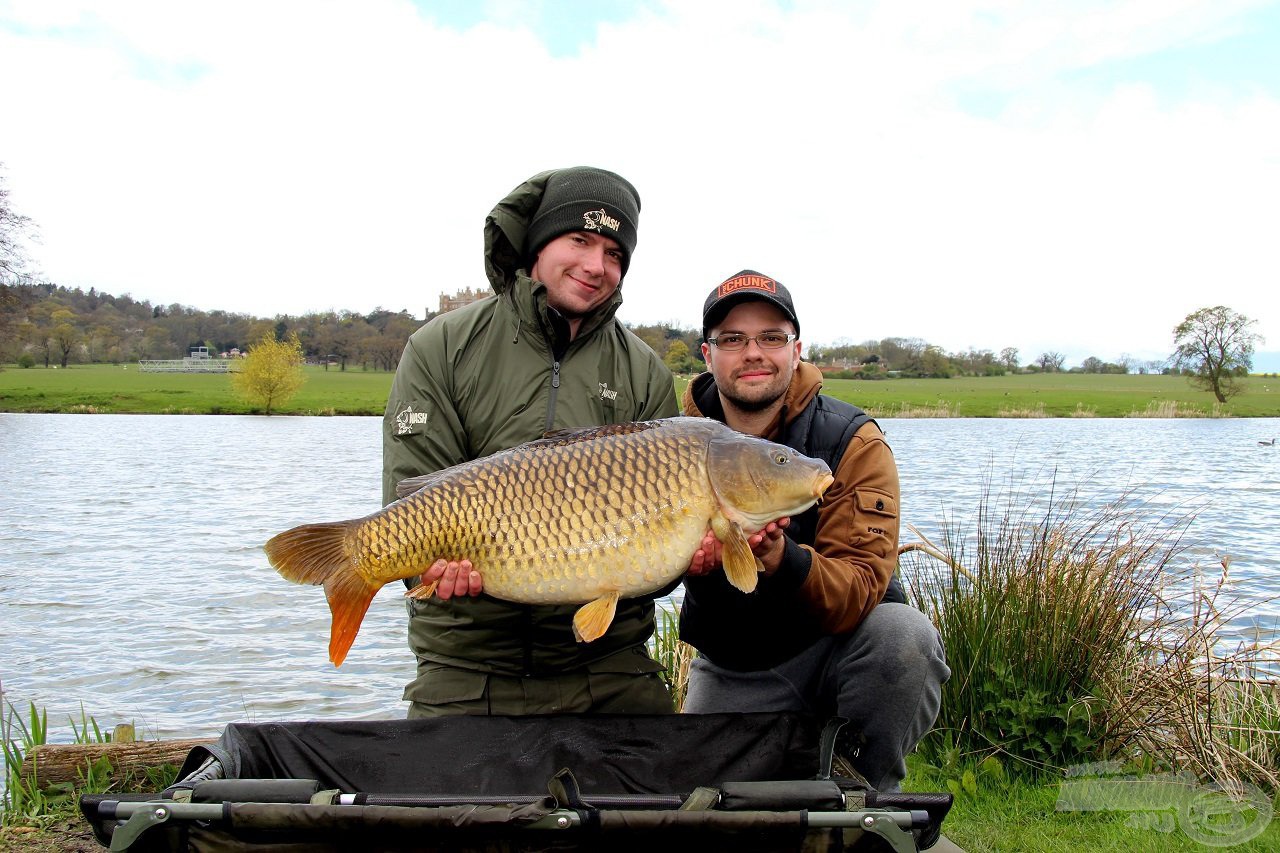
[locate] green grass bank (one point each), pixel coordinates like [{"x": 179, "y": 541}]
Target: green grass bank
[{"x": 123, "y": 389}]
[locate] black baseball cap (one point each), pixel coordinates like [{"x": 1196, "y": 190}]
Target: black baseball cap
[{"x": 744, "y": 287}]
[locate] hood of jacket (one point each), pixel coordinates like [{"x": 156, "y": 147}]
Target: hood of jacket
[{"x": 505, "y": 229}]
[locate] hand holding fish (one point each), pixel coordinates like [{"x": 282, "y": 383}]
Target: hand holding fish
[
  {"x": 767, "y": 545},
  {"x": 454, "y": 578},
  {"x": 458, "y": 578},
  {"x": 583, "y": 517}
]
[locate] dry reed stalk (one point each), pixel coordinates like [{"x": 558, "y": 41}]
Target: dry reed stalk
[
  {"x": 1036, "y": 411},
  {"x": 938, "y": 410},
  {"x": 1176, "y": 409}
]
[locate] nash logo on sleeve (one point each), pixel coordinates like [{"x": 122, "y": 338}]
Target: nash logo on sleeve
[{"x": 406, "y": 418}]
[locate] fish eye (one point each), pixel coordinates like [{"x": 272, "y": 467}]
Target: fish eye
[{"x": 780, "y": 458}]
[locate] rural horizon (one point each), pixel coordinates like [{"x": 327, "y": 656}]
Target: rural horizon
[{"x": 842, "y": 349}]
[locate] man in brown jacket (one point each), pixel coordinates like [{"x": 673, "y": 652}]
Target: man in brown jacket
[{"x": 818, "y": 634}]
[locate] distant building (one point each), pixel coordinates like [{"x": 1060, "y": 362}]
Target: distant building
[{"x": 461, "y": 298}]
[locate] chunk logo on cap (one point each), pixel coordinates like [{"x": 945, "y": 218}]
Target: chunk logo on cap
[{"x": 750, "y": 281}]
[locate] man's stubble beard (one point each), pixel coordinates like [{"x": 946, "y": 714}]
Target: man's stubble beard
[{"x": 755, "y": 405}]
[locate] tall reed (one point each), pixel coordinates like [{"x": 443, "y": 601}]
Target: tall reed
[
  {"x": 674, "y": 654},
  {"x": 1067, "y": 643}
]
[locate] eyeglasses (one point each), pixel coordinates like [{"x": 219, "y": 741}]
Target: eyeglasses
[{"x": 765, "y": 340}]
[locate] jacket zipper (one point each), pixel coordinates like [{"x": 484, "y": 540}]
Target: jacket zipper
[
  {"x": 528, "y": 614},
  {"x": 555, "y": 387}
]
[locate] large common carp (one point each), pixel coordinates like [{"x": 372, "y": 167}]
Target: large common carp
[{"x": 588, "y": 515}]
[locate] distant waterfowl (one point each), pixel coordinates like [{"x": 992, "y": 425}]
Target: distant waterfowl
[{"x": 1267, "y": 443}]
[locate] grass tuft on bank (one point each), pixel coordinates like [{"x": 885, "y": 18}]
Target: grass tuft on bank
[{"x": 1077, "y": 633}]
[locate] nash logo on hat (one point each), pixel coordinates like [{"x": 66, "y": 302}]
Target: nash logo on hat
[
  {"x": 748, "y": 282},
  {"x": 594, "y": 219}
]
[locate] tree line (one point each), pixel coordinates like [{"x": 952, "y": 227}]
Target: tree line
[
  {"x": 43, "y": 323},
  {"x": 51, "y": 323}
]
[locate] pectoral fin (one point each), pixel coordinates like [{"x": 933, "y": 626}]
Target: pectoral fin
[
  {"x": 595, "y": 617},
  {"x": 422, "y": 590},
  {"x": 740, "y": 565}
]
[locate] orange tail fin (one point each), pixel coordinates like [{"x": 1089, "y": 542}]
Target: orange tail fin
[{"x": 318, "y": 554}]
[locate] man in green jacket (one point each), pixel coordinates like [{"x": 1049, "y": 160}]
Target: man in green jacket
[{"x": 544, "y": 352}]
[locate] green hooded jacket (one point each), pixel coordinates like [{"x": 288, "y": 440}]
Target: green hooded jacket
[{"x": 486, "y": 377}]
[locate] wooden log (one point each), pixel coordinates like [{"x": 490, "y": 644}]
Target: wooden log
[{"x": 55, "y": 763}]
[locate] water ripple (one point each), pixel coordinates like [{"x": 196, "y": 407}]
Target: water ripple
[{"x": 132, "y": 577}]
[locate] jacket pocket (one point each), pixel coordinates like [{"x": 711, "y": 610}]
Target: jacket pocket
[
  {"x": 876, "y": 503},
  {"x": 632, "y": 661},
  {"x": 875, "y": 520},
  {"x": 440, "y": 685}
]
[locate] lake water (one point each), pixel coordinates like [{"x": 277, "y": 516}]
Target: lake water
[{"x": 132, "y": 578}]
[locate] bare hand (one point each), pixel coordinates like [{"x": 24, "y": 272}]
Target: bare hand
[
  {"x": 456, "y": 577},
  {"x": 766, "y": 544},
  {"x": 708, "y": 556}
]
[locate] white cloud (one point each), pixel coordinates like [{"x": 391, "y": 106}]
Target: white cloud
[{"x": 288, "y": 157}]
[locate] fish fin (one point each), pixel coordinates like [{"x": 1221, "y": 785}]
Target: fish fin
[
  {"x": 349, "y": 599},
  {"x": 320, "y": 554},
  {"x": 404, "y": 488},
  {"x": 595, "y": 617},
  {"x": 311, "y": 553},
  {"x": 574, "y": 435},
  {"x": 422, "y": 590},
  {"x": 740, "y": 565}
]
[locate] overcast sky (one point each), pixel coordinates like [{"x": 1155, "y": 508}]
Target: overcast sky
[{"x": 1064, "y": 176}]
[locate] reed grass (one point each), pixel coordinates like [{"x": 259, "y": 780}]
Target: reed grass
[
  {"x": 1076, "y": 634},
  {"x": 1036, "y": 411},
  {"x": 23, "y": 800},
  {"x": 1177, "y": 409},
  {"x": 675, "y": 655},
  {"x": 904, "y": 409}
]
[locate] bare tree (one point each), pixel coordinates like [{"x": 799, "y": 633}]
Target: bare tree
[
  {"x": 1215, "y": 344},
  {"x": 1051, "y": 362},
  {"x": 14, "y": 227}
]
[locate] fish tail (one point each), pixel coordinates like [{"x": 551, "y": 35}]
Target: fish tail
[
  {"x": 349, "y": 599},
  {"x": 320, "y": 554}
]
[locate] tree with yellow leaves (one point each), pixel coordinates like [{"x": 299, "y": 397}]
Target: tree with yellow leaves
[{"x": 272, "y": 372}]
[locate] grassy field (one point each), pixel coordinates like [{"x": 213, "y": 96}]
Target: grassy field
[
  {"x": 123, "y": 389},
  {"x": 992, "y": 815},
  {"x": 101, "y": 388},
  {"x": 1054, "y": 395}
]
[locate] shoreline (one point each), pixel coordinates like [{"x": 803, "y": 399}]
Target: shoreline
[{"x": 122, "y": 389}]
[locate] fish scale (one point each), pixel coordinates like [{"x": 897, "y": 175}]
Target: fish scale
[{"x": 585, "y": 516}]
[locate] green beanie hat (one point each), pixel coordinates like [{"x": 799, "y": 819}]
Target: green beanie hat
[{"x": 586, "y": 199}]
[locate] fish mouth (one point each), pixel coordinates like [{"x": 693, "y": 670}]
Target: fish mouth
[{"x": 820, "y": 486}]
